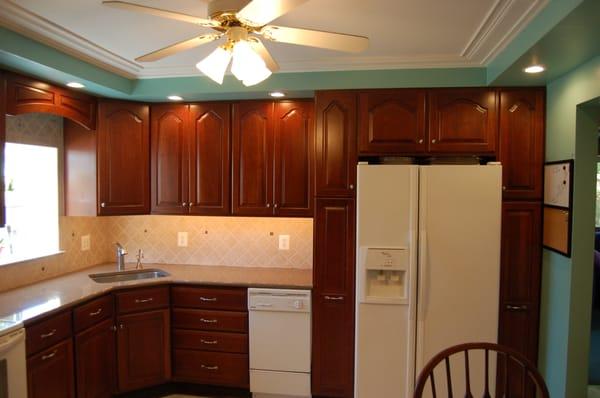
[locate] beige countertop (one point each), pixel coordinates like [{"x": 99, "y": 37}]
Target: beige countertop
[{"x": 25, "y": 303}]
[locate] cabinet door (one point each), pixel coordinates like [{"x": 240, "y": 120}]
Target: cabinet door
[
  {"x": 95, "y": 361},
  {"x": 2, "y": 141},
  {"x": 463, "y": 121},
  {"x": 252, "y": 158},
  {"x": 293, "y": 154},
  {"x": 520, "y": 276},
  {"x": 335, "y": 143},
  {"x": 123, "y": 158},
  {"x": 333, "y": 309},
  {"x": 391, "y": 122},
  {"x": 209, "y": 158},
  {"x": 50, "y": 373},
  {"x": 169, "y": 184},
  {"x": 143, "y": 355},
  {"x": 522, "y": 143}
]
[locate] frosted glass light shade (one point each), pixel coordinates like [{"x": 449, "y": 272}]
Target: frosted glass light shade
[
  {"x": 247, "y": 65},
  {"x": 256, "y": 75},
  {"x": 215, "y": 64}
]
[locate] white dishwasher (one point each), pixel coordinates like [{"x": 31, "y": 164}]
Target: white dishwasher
[{"x": 280, "y": 342}]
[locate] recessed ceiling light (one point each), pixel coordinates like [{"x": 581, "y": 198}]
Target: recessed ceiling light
[
  {"x": 277, "y": 94},
  {"x": 174, "y": 98},
  {"x": 75, "y": 85},
  {"x": 535, "y": 69}
]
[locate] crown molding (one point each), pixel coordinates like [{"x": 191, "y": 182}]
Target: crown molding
[{"x": 502, "y": 23}]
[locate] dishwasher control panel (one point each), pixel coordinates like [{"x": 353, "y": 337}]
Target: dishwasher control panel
[{"x": 287, "y": 300}]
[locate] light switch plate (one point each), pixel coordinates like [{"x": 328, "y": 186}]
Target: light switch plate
[
  {"x": 182, "y": 239},
  {"x": 85, "y": 242},
  {"x": 284, "y": 242}
]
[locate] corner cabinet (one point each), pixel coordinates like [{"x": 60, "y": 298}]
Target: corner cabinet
[{"x": 123, "y": 140}]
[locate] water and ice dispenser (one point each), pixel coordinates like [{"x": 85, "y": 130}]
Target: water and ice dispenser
[{"x": 384, "y": 275}]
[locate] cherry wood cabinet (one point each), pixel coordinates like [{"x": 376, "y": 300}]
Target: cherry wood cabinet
[
  {"x": 27, "y": 95},
  {"x": 522, "y": 143},
  {"x": 392, "y": 122},
  {"x": 333, "y": 298},
  {"x": 335, "y": 149},
  {"x": 463, "y": 121},
  {"x": 95, "y": 361},
  {"x": 50, "y": 372},
  {"x": 123, "y": 140},
  {"x": 143, "y": 349}
]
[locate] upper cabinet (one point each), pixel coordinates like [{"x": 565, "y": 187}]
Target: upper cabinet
[
  {"x": 522, "y": 142},
  {"x": 463, "y": 121},
  {"x": 392, "y": 122},
  {"x": 123, "y": 140},
  {"x": 335, "y": 150},
  {"x": 26, "y": 95}
]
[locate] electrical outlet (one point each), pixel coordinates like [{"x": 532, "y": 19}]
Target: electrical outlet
[
  {"x": 284, "y": 242},
  {"x": 85, "y": 242},
  {"x": 182, "y": 239}
]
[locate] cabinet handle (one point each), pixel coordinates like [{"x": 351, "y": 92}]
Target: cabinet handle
[
  {"x": 516, "y": 307},
  {"x": 190, "y": 204},
  {"x": 49, "y": 334},
  {"x": 184, "y": 204},
  {"x": 268, "y": 205},
  {"x": 334, "y": 298},
  {"x": 113, "y": 328},
  {"x": 51, "y": 355},
  {"x": 208, "y": 299},
  {"x": 208, "y": 320},
  {"x": 275, "y": 205},
  {"x": 102, "y": 204},
  {"x": 433, "y": 141},
  {"x": 504, "y": 187},
  {"x": 351, "y": 186},
  {"x": 209, "y": 367},
  {"x": 96, "y": 312},
  {"x": 210, "y": 342},
  {"x": 121, "y": 326},
  {"x": 480, "y": 109},
  {"x": 140, "y": 301},
  {"x": 421, "y": 141}
]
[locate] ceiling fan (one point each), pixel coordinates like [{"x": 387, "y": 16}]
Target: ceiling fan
[{"x": 241, "y": 23}]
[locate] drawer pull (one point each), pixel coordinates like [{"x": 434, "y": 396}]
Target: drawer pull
[
  {"x": 209, "y": 342},
  {"x": 209, "y": 367},
  {"x": 208, "y": 320},
  {"x": 516, "y": 307},
  {"x": 49, "y": 334},
  {"x": 334, "y": 298},
  {"x": 96, "y": 312},
  {"x": 141, "y": 301},
  {"x": 208, "y": 299},
  {"x": 51, "y": 355}
]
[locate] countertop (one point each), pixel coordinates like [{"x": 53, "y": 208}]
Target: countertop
[{"x": 21, "y": 305}]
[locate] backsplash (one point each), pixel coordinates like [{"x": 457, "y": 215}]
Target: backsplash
[{"x": 230, "y": 241}]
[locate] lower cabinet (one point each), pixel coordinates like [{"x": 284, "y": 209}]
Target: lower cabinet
[
  {"x": 50, "y": 372},
  {"x": 143, "y": 358}
]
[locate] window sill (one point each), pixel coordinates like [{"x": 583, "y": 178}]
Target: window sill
[{"x": 8, "y": 260}]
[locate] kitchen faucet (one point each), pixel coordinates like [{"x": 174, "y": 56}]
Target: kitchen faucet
[{"x": 121, "y": 252}]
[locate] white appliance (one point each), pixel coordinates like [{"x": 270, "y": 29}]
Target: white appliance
[
  {"x": 428, "y": 269},
  {"x": 280, "y": 342},
  {"x": 13, "y": 374}
]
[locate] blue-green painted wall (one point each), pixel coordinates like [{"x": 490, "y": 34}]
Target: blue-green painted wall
[{"x": 567, "y": 283}]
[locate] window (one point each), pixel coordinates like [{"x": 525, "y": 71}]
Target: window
[{"x": 32, "y": 198}]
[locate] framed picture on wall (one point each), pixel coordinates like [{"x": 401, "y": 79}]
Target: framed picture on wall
[{"x": 558, "y": 204}]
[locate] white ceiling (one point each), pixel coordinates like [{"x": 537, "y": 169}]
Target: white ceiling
[{"x": 402, "y": 33}]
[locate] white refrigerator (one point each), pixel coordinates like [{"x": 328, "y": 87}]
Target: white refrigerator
[{"x": 428, "y": 268}]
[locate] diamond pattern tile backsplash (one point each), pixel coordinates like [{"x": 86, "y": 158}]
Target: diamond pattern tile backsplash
[{"x": 228, "y": 241}]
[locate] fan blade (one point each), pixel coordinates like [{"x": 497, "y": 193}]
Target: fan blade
[
  {"x": 178, "y": 47},
  {"x": 261, "y": 12},
  {"x": 261, "y": 50},
  {"x": 316, "y": 38},
  {"x": 161, "y": 13}
]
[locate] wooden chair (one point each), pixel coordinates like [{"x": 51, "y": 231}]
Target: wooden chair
[{"x": 509, "y": 362}]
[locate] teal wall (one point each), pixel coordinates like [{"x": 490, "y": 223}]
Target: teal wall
[{"x": 567, "y": 283}]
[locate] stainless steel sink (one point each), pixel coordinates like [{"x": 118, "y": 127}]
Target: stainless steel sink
[{"x": 124, "y": 276}]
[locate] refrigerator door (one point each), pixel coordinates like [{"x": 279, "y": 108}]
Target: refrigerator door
[
  {"x": 386, "y": 226},
  {"x": 459, "y": 264}
]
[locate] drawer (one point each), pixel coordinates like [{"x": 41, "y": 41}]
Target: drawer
[
  {"x": 210, "y": 298},
  {"x": 225, "y": 321},
  {"x": 48, "y": 332},
  {"x": 215, "y": 368},
  {"x": 210, "y": 341},
  {"x": 142, "y": 299},
  {"x": 93, "y": 312}
]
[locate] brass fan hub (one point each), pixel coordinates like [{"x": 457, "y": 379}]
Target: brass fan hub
[{"x": 224, "y": 12}]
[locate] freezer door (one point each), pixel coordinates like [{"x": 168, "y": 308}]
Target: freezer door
[{"x": 459, "y": 261}]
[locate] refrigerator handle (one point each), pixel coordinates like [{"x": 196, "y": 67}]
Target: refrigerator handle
[{"x": 424, "y": 275}]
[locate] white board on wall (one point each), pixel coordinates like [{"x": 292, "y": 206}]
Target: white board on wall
[{"x": 557, "y": 183}]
